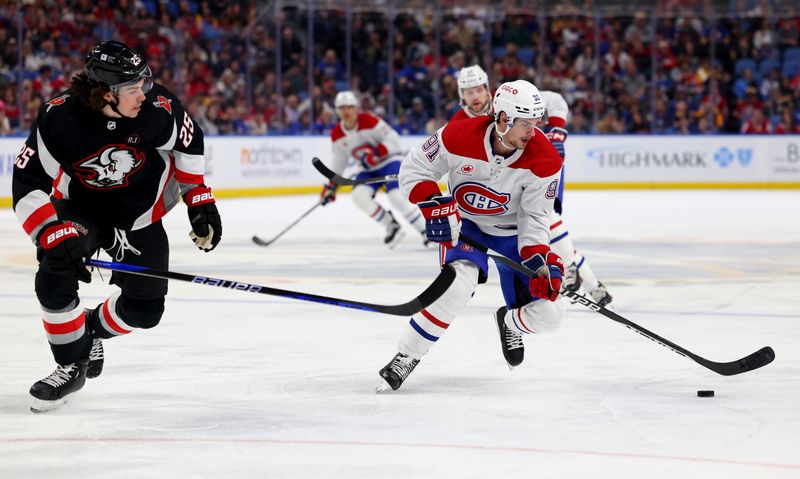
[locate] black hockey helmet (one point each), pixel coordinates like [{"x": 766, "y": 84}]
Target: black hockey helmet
[{"x": 117, "y": 65}]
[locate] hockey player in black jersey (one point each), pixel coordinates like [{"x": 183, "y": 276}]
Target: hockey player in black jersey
[{"x": 104, "y": 162}]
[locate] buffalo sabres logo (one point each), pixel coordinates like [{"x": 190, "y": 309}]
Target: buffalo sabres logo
[{"x": 110, "y": 167}]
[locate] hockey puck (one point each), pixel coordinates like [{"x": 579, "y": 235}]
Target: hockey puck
[{"x": 705, "y": 394}]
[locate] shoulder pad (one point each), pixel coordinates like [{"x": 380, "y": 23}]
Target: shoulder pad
[
  {"x": 337, "y": 132},
  {"x": 367, "y": 121},
  {"x": 465, "y": 137},
  {"x": 540, "y": 157}
]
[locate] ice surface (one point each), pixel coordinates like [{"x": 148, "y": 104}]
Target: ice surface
[{"x": 233, "y": 384}]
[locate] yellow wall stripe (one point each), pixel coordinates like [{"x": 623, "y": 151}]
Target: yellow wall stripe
[{"x": 303, "y": 190}]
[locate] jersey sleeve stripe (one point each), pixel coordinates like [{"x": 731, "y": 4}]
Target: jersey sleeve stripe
[
  {"x": 35, "y": 210},
  {"x": 49, "y": 163},
  {"x": 192, "y": 164},
  {"x": 423, "y": 190}
]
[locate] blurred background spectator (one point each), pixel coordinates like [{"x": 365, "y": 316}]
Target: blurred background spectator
[{"x": 252, "y": 67}]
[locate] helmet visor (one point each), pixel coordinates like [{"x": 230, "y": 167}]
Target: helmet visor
[{"x": 134, "y": 87}]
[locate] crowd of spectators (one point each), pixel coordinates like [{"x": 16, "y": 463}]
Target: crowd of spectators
[{"x": 672, "y": 69}]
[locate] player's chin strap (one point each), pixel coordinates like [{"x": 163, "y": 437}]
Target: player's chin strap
[
  {"x": 113, "y": 106},
  {"x": 501, "y": 135}
]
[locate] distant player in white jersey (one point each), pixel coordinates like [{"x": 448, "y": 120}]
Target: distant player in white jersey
[
  {"x": 473, "y": 90},
  {"x": 375, "y": 147},
  {"x": 578, "y": 272},
  {"x": 503, "y": 177}
]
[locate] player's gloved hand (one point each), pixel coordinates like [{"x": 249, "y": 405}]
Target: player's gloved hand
[
  {"x": 557, "y": 137},
  {"x": 328, "y": 194},
  {"x": 550, "y": 273},
  {"x": 442, "y": 220},
  {"x": 204, "y": 217},
  {"x": 369, "y": 158},
  {"x": 64, "y": 249}
]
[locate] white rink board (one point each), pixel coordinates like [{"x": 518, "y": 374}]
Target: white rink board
[{"x": 275, "y": 161}]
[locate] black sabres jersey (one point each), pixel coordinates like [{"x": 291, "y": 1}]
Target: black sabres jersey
[{"x": 127, "y": 171}]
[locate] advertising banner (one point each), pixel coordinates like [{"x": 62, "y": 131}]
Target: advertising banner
[{"x": 277, "y": 164}]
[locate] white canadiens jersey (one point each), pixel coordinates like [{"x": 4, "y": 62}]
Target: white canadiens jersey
[
  {"x": 370, "y": 132},
  {"x": 502, "y": 196},
  {"x": 556, "y": 106}
]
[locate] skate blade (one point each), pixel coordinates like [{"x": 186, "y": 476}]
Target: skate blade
[
  {"x": 40, "y": 406},
  {"x": 383, "y": 387},
  {"x": 397, "y": 238}
]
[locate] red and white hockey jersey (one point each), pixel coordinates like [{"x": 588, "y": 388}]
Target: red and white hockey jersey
[
  {"x": 371, "y": 132},
  {"x": 502, "y": 196}
]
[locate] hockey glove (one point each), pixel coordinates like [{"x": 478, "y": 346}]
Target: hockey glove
[
  {"x": 370, "y": 158},
  {"x": 328, "y": 194},
  {"x": 204, "y": 217},
  {"x": 442, "y": 220},
  {"x": 557, "y": 137},
  {"x": 549, "y": 269},
  {"x": 64, "y": 250}
]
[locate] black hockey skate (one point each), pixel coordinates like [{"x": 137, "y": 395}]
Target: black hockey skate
[
  {"x": 510, "y": 341},
  {"x": 96, "y": 358},
  {"x": 600, "y": 295},
  {"x": 397, "y": 371},
  {"x": 96, "y": 355},
  {"x": 50, "y": 393},
  {"x": 572, "y": 278},
  {"x": 394, "y": 233}
]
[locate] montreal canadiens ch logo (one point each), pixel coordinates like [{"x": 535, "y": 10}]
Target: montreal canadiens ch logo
[
  {"x": 110, "y": 167},
  {"x": 477, "y": 199}
]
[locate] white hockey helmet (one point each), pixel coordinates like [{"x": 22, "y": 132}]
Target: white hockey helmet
[
  {"x": 345, "y": 98},
  {"x": 469, "y": 77},
  {"x": 518, "y": 99}
]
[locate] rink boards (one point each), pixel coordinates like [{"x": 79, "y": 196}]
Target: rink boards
[{"x": 254, "y": 166}]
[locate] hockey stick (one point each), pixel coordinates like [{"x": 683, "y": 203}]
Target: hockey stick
[
  {"x": 262, "y": 242},
  {"x": 758, "y": 359},
  {"x": 431, "y": 293},
  {"x": 342, "y": 181}
]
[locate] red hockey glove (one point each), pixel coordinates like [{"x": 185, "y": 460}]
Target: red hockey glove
[
  {"x": 204, "y": 217},
  {"x": 442, "y": 220},
  {"x": 550, "y": 272},
  {"x": 328, "y": 194},
  {"x": 64, "y": 250},
  {"x": 369, "y": 158}
]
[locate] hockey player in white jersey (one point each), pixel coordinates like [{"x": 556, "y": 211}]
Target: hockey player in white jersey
[
  {"x": 503, "y": 177},
  {"x": 375, "y": 147},
  {"x": 473, "y": 93},
  {"x": 473, "y": 90},
  {"x": 577, "y": 270}
]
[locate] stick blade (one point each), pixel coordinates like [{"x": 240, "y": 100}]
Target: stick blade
[
  {"x": 261, "y": 242},
  {"x": 758, "y": 359}
]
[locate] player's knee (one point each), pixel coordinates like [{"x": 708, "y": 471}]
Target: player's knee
[
  {"x": 362, "y": 196},
  {"x": 544, "y": 316},
  {"x": 141, "y": 313}
]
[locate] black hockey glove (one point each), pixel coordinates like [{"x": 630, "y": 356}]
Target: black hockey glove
[
  {"x": 204, "y": 217},
  {"x": 64, "y": 250}
]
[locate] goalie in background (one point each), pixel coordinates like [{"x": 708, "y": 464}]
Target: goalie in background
[{"x": 374, "y": 146}]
